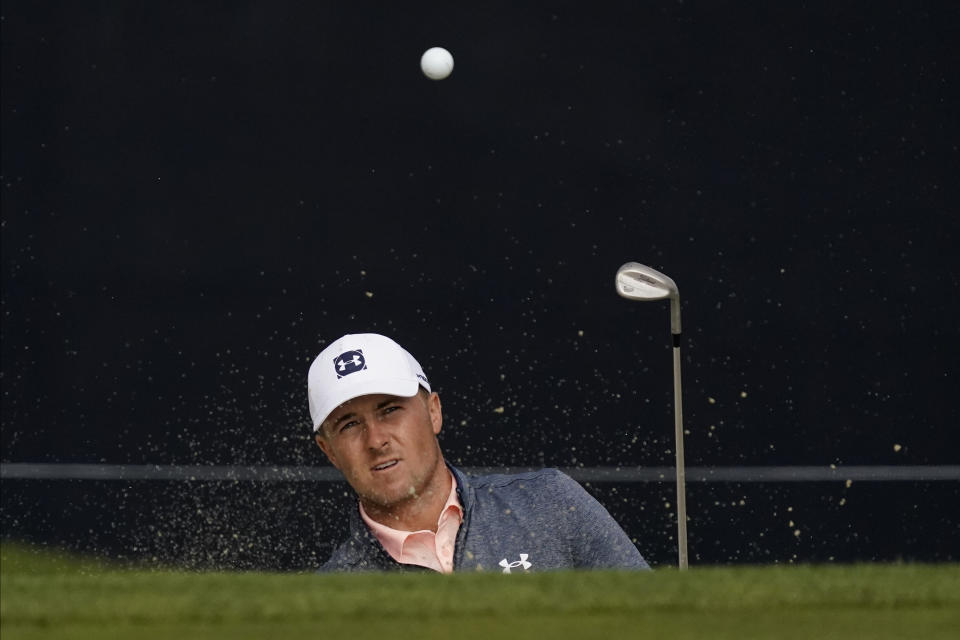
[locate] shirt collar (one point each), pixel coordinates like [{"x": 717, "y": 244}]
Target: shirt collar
[{"x": 393, "y": 539}]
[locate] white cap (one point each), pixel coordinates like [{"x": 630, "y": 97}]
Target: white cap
[{"x": 359, "y": 365}]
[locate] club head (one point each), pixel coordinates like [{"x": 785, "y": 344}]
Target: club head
[{"x": 637, "y": 281}]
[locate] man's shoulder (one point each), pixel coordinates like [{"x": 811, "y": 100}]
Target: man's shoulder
[
  {"x": 546, "y": 491},
  {"x": 478, "y": 478},
  {"x": 345, "y": 557},
  {"x": 355, "y": 554},
  {"x": 533, "y": 484},
  {"x": 359, "y": 551}
]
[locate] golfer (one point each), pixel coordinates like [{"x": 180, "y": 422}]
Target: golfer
[{"x": 377, "y": 420}]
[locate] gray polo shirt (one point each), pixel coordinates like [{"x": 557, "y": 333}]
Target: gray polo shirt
[{"x": 537, "y": 521}]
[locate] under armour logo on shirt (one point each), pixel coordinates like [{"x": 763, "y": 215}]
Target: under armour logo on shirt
[
  {"x": 522, "y": 562},
  {"x": 349, "y": 362}
]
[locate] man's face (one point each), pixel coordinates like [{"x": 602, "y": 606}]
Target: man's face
[{"x": 385, "y": 446}]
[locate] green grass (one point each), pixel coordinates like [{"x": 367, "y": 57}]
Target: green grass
[{"x": 49, "y": 595}]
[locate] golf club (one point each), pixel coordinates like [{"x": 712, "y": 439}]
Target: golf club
[{"x": 636, "y": 281}]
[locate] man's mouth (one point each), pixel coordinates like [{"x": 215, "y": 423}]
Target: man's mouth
[{"x": 383, "y": 466}]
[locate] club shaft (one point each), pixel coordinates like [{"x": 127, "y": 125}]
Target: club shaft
[{"x": 681, "y": 471}]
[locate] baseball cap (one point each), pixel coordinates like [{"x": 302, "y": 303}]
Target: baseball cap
[{"x": 358, "y": 365}]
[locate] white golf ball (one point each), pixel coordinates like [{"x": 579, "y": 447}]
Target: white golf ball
[{"x": 437, "y": 63}]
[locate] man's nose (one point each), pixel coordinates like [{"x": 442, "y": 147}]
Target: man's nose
[{"x": 377, "y": 435}]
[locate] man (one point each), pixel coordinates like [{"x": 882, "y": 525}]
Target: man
[{"x": 377, "y": 420}]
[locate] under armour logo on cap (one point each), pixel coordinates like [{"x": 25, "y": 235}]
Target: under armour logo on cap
[{"x": 349, "y": 362}]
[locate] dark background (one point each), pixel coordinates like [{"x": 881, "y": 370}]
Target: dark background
[{"x": 198, "y": 197}]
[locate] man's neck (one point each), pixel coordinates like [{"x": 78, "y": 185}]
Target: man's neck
[{"x": 417, "y": 513}]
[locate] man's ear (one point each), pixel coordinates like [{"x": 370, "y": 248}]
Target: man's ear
[
  {"x": 327, "y": 451},
  {"x": 436, "y": 412}
]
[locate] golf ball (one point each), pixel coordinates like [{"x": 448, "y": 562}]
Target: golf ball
[{"x": 437, "y": 63}]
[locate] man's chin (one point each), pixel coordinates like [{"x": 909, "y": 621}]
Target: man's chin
[{"x": 391, "y": 498}]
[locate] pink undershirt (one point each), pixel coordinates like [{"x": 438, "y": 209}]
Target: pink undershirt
[{"x": 423, "y": 548}]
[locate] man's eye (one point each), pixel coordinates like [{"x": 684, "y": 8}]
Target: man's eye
[
  {"x": 391, "y": 409},
  {"x": 347, "y": 425}
]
